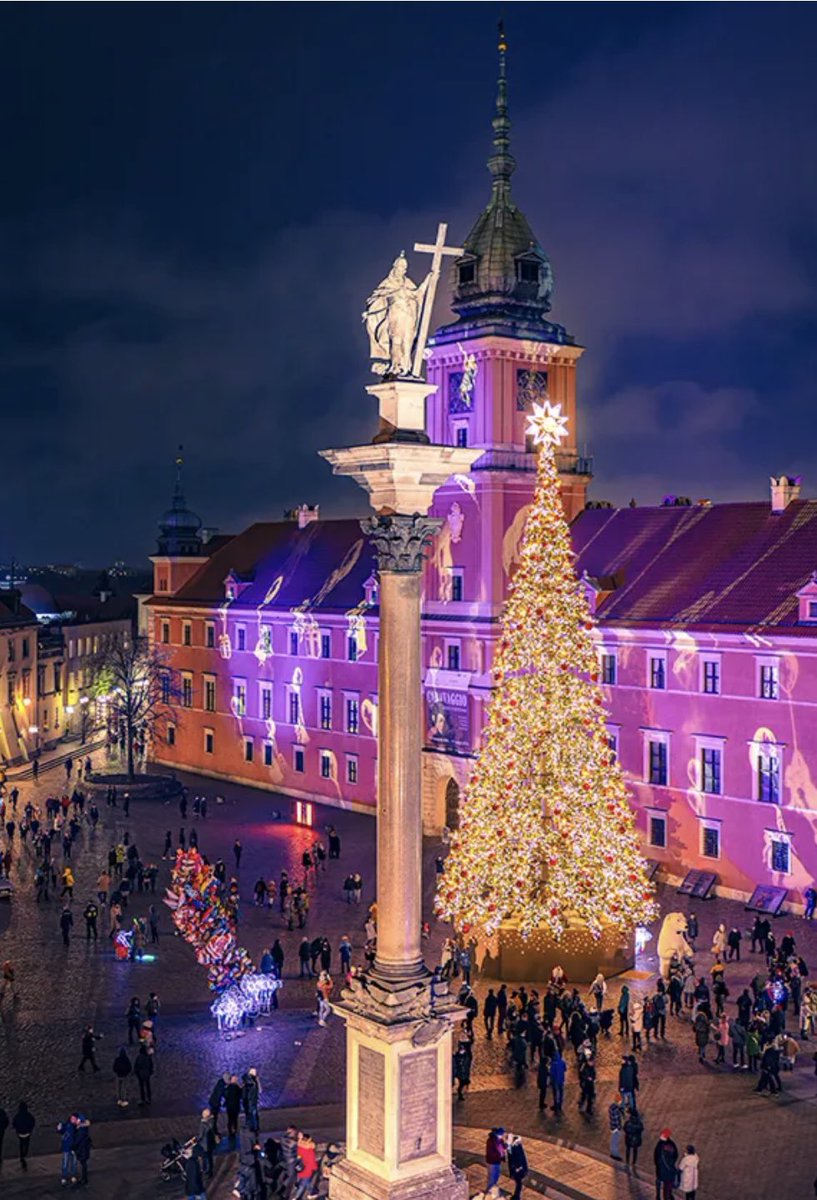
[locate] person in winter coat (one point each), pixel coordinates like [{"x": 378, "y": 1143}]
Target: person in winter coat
[
  {"x": 134, "y": 1017},
  {"x": 700, "y": 1027},
  {"x": 636, "y": 1021},
  {"x": 628, "y": 1080},
  {"x": 665, "y": 1157},
  {"x": 89, "y": 1040},
  {"x": 737, "y": 1036},
  {"x": 623, "y": 1012},
  {"x": 23, "y": 1125},
  {"x": 558, "y": 1070},
  {"x": 308, "y": 1168},
  {"x": 82, "y": 1146},
  {"x": 633, "y": 1135},
  {"x": 462, "y": 1068},
  {"x": 143, "y": 1069},
  {"x": 217, "y": 1098},
  {"x": 251, "y": 1096},
  {"x": 753, "y": 1049},
  {"x": 517, "y": 1164},
  {"x": 598, "y": 990},
  {"x": 68, "y": 1164},
  {"x": 733, "y": 940},
  {"x": 688, "y": 1166},
  {"x": 66, "y": 921},
  {"x": 721, "y": 1035},
  {"x": 122, "y": 1068},
  {"x": 615, "y": 1115},
  {"x": 207, "y": 1139},
  {"x": 232, "y": 1105},
  {"x": 719, "y": 941},
  {"x": 494, "y": 1155},
  {"x": 193, "y": 1176}
]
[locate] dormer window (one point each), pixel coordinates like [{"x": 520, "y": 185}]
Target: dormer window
[
  {"x": 527, "y": 270},
  {"x": 467, "y": 272}
]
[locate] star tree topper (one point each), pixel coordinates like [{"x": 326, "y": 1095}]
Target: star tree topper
[{"x": 546, "y": 425}]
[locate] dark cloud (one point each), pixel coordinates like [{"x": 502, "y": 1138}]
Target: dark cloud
[{"x": 669, "y": 173}]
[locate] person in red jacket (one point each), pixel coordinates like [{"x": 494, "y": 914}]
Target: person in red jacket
[
  {"x": 494, "y": 1156},
  {"x": 308, "y": 1166}
]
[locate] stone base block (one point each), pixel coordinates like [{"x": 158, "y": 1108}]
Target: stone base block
[
  {"x": 577, "y": 953},
  {"x": 349, "y": 1182}
]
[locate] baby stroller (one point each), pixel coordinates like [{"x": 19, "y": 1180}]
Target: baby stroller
[{"x": 173, "y": 1158}]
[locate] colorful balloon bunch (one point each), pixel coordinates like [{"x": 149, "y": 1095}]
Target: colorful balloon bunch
[{"x": 206, "y": 921}]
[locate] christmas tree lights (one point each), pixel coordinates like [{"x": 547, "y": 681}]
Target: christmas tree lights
[{"x": 546, "y": 833}]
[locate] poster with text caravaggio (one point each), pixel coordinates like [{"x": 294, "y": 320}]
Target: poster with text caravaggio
[{"x": 448, "y": 726}]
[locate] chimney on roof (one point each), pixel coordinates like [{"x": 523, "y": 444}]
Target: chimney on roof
[
  {"x": 304, "y": 514},
  {"x": 785, "y": 488}
]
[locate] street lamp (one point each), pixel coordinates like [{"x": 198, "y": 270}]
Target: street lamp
[{"x": 83, "y": 727}]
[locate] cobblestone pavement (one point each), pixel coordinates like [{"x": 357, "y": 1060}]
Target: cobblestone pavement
[{"x": 740, "y": 1135}]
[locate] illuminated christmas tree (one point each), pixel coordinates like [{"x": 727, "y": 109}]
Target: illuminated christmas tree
[{"x": 546, "y": 832}]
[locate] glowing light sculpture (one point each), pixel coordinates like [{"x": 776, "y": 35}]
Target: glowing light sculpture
[{"x": 546, "y": 832}]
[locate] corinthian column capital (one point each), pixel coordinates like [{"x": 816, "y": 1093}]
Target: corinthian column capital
[{"x": 400, "y": 542}]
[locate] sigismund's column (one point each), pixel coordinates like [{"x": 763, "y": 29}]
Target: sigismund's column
[{"x": 399, "y": 1025}]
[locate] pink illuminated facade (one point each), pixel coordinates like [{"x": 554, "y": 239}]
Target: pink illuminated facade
[{"x": 707, "y": 615}]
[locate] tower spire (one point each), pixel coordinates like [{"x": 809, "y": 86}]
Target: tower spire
[
  {"x": 502, "y": 164},
  {"x": 178, "y": 489}
]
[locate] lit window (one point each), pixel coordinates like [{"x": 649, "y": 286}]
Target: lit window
[
  {"x": 781, "y": 855},
  {"x": 325, "y": 764},
  {"x": 248, "y": 750},
  {"x": 657, "y": 763},
  {"x": 351, "y": 768},
  {"x": 657, "y": 831},
  {"x": 298, "y": 759},
  {"x": 658, "y": 672},
  {"x": 608, "y": 668},
  {"x": 209, "y": 741},
  {"x": 711, "y": 676},
  {"x": 352, "y": 714},
  {"x": 711, "y": 763},
  {"x": 325, "y": 706},
  {"x": 769, "y": 681},
  {"x": 326, "y": 645}
]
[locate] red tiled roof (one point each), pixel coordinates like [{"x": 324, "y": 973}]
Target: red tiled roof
[{"x": 728, "y": 567}]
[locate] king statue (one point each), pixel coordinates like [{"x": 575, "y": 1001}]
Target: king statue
[{"x": 392, "y": 318}]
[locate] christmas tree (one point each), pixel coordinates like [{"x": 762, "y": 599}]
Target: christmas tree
[{"x": 546, "y": 832}]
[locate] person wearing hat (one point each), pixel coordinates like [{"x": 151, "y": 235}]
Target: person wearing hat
[
  {"x": 250, "y": 1095},
  {"x": 666, "y": 1159},
  {"x": 494, "y": 1156}
]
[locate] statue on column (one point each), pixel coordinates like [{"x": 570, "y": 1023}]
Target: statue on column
[{"x": 392, "y": 318}]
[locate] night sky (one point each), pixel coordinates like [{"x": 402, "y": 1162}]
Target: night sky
[{"x": 197, "y": 199}]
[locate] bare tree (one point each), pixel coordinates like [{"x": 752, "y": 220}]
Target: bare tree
[{"x": 139, "y": 684}]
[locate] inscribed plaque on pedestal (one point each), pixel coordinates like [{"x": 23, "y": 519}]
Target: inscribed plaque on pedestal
[
  {"x": 418, "y": 1105},
  {"x": 371, "y": 1101}
]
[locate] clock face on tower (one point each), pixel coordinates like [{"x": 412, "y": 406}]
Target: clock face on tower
[{"x": 531, "y": 388}]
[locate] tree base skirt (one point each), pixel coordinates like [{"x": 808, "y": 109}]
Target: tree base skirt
[{"x": 580, "y": 956}]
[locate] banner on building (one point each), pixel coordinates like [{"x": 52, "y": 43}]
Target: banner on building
[{"x": 448, "y": 723}]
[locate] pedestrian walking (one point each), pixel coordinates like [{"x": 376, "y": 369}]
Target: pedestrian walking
[
  {"x": 624, "y": 1012},
  {"x": 232, "y": 1106},
  {"x": 517, "y": 1164},
  {"x": 489, "y": 1009},
  {"x": 68, "y": 1163},
  {"x": 558, "y": 1070},
  {"x": 615, "y": 1116},
  {"x": 250, "y": 1096},
  {"x": 66, "y": 922},
  {"x": 67, "y": 883},
  {"x": 688, "y": 1166},
  {"x": 633, "y": 1136},
  {"x": 636, "y": 1021},
  {"x": 134, "y": 1018},
  {"x": 494, "y": 1156},
  {"x": 665, "y": 1157},
  {"x": 91, "y": 914},
  {"x": 153, "y": 922},
  {"x": 82, "y": 1147},
  {"x": 122, "y": 1068},
  {"x": 700, "y": 1028},
  {"x": 143, "y": 1069},
  {"x": 23, "y": 1125},
  {"x": 462, "y": 1068},
  {"x": 733, "y": 940},
  {"x": 89, "y": 1040}
]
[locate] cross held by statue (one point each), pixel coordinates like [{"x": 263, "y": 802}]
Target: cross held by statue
[{"x": 437, "y": 251}]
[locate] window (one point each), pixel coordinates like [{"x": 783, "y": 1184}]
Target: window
[
  {"x": 266, "y": 701},
  {"x": 162, "y": 584},
  {"x": 711, "y": 676},
  {"x": 187, "y": 633},
  {"x": 298, "y": 759},
  {"x": 612, "y": 740},
  {"x": 352, "y": 714},
  {"x": 239, "y": 697},
  {"x": 710, "y": 839},
  {"x": 657, "y": 830},
  {"x": 209, "y": 693},
  {"x": 781, "y": 855},
  {"x": 171, "y": 735},
  {"x": 325, "y": 760},
  {"x": 187, "y": 690},
  {"x": 249, "y": 749},
  {"x": 767, "y": 767},
  {"x": 267, "y": 754},
  {"x": 209, "y": 741},
  {"x": 452, "y": 656},
  {"x": 467, "y": 272},
  {"x": 41, "y": 681},
  {"x": 240, "y": 637},
  {"x": 657, "y": 763},
  {"x": 326, "y": 645},
  {"x": 12, "y": 650},
  {"x": 25, "y": 647},
  {"x": 325, "y": 709},
  {"x": 769, "y": 681},
  {"x": 351, "y": 768},
  {"x": 351, "y": 647},
  {"x": 294, "y": 706},
  {"x": 293, "y": 642},
  {"x": 165, "y": 682},
  {"x": 812, "y": 610},
  {"x": 711, "y": 762},
  {"x": 658, "y": 671},
  {"x": 456, "y": 583},
  {"x": 527, "y": 270},
  {"x": 209, "y": 635},
  {"x": 608, "y": 668},
  {"x": 165, "y": 633},
  {"x": 12, "y": 683},
  {"x": 461, "y": 435},
  {"x": 57, "y": 677}
]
